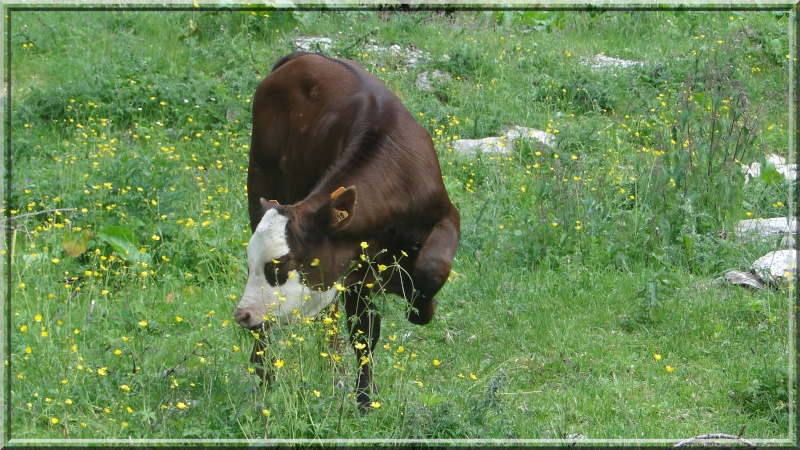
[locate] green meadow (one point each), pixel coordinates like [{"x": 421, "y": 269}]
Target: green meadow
[{"x": 585, "y": 303}]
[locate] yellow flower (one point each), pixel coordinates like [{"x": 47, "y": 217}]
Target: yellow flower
[
  {"x": 670, "y": 369},
  {"x": 375, "y": 405},
  {"x": 125, "y": 387},
  {"x": 143, "y": 323},
  {"x": 279, "y": 363},
  {"x": 265, "y": 412},
  {"x": 54, "y": 420},
  {"x": 181, "y": 405},
  {"x": 436, "y": 363},
  {"x": 315, "y": 262},
  {"x": 316, "y": 393},
  {"x": 37, "y": 317},
  {"x": 472, "y": 376},
  {"x": 102, "y": 371},
  {"x": 364, "y": 245},
  {"x": 657, "y": 357}
]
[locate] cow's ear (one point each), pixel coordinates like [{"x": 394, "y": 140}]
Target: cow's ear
[
  {"x": 343, "y": 206},
  {"x": 267, "y": 205}
]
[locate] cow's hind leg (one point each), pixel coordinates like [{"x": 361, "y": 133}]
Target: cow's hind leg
[
  {"x": 432, "y": 267},
  {"x": 364, "y": 325}
]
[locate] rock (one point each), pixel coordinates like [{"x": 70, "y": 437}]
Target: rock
[
  {"x": 485, "y": 145},
  {"x": 543, "y": 137},
  {"x": 787, "y": 171},
  {"x": 503, "y": 144},
  {"x": 424, "y": 80},
  {"x": 410, "y": 56},
  {"x": 313, "y": 44},
  {"x": 603, "y": 62},
  {"x": 766, "y": 227},
  {"x": 777, "y": 266},
  {"x": 746, "y": 279}
]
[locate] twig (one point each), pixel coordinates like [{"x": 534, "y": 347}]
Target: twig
[
  {"x": 714, "y": 436},
  {"x": 169, "y": 372},
  {"x": 22, "y": 216}
]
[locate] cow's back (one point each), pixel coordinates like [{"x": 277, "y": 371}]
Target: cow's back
[{"x": 320, "y": 123}]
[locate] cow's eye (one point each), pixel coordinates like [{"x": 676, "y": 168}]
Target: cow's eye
[{"x": 276, "y": 271}]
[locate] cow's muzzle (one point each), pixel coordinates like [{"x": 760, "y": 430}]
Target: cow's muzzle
[{"x": 250, "y": 318}]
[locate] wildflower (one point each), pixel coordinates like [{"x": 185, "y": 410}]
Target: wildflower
[
  {"x": 181, "y": 405},
  {"x": 102, "y": 371},
  {"x": 364, "y": 245},
  {"x": 657, "y": 357},
  {"x": 37, "y": 317},
  {"x": 436, "y": 363},
  {"x": 265, "y": 412},
  {"x": 279, "y": 363},
  {"x": 125, "y": 387},
  {"x": 670, "y": 369},
  {"x": 472, "y": 376},
  {"x": 54, "y": 420},
  {"x": 375, "y": 405},
  {"x": 316, "y": 393},
  {"x": 143, "y": 323},
  {"x": 315, "y": 262}
]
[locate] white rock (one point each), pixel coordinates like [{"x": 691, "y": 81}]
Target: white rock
[
  {"x": 423, "y": 81},
  {"x": 517, "y": 132},
  {"x": 775, "y": 266},
  {"x": 743, "y": 279},
  {"x": 602, "y": 62},
  {"x": 766, "y": 227},
  {"x": 313, "y": 44},
  {"x": 485, "y": 145},
  {"x": 787, "y": 171}
]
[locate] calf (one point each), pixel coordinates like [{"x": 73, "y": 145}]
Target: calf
[{"x": 339, "y": 167}]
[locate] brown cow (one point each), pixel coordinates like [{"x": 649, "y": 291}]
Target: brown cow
[{"x": 319, "y": 125}]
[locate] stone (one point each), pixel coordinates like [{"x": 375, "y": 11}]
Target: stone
[
  {"x": 746, "y": 279},
  {"x": 766, "y": 227},
  {"x": 424, "y": 80},
  {"x": 313, "y": 44},
  {"x": 777, "y": 266},
  {"x": 517, "y": 132},
  {"x": 485, "y": 145},
  {"x": 787, "y": 171},
  {"x": 603, "y": 62}
]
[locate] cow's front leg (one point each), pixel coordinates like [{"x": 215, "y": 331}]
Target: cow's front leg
[
  {"x": 259, "y": 359},
  {"x": 432, "y": 268},
  {"x": 364, "y": 325}
]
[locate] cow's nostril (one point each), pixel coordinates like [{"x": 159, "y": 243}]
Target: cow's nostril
[{"x": 242, "y": 317}]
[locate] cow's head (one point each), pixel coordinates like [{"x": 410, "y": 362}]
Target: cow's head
[{"x": 293, "y": 258}]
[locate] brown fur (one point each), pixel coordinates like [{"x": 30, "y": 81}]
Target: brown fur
[{"x": 320, "y": 124}]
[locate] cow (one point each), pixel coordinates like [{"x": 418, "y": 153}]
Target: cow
[{"x": 342, "y": 184}]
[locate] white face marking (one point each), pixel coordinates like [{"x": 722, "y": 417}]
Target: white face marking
[{"x": 288, "y": 302}]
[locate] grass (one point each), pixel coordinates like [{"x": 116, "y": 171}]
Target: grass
[{"x": 585, "y": 300}]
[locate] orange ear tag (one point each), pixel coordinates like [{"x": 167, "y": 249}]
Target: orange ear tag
[{"x": 338, "y": 215}]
